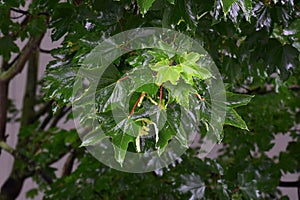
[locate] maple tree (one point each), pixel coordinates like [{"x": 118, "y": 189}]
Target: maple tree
[{"x": 254, "y": 45}]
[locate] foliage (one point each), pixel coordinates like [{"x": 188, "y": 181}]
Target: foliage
[{"x": 254, "y": 44}]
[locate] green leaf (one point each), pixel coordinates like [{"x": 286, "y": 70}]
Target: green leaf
[
  {"x": 37, "y": 26},
  {"x": 226, "y": 4},
  {"x": 142, "y": 80},
  {"x": 246, "y": 6},
  {"x": 7, "y": 46},
  {"x": 235, "y": 100},
  {"x": 193, "y": 69},
  {"x": 167, "y": 132},
  {"x": 92, "y": 138},
  {"x": 159, "y": 54},
  {"x": 12, "y": 3},
  {"x": 59, "y": 82},
  {"x": 234, "y": 119},
  {"x": 192, "y": 183},
  {"x": 150, "y": 88},
  {"x": 190, "y": 57},
  {"x": 166, "y": 49},
  {"x": 190, "y": 67},
  {"x": 180, "y": 92},
  {"x": 165, "y": 72},
  {"x": 171, "y": 124},
  {"x": 121, "y": 129},
  {"x": 59, "y": 22},
  {"x": 171, "y": 1},
  {"x": 165, "y": 135},
  {"x": 120, "y": 141},
  {"x": 32, "y": 193},
  {"x": 284, "y": 58},
  {"x": 181, "y": 16},
  {"x": 144, "y": 5}
]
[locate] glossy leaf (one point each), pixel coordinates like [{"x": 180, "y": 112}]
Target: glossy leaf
[
  {"x": 145, "y": 5},
  {"x": 92, "y": 138},
  {"x": 194, "y": 184},
  {"x": 226, "y": 4},
  {"x": 190, "y": 67},
  {"x": 165, "y": 72},
  {"x": 234, "y": 119},
  {"x": 235, "y": 100},
  {"x": 121, "y": 141},
  {"x": 180, "y": 92},
  {"x": 246, "y": 6},
  {"x": 171, "y": 1}
]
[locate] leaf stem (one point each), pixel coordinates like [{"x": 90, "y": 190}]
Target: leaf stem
[
  {"x": 160, "y": 95},
  {"x": 123, "y": 78},
  {"x": 136, "y": 103},
  {"x": 199, "y": 97}
]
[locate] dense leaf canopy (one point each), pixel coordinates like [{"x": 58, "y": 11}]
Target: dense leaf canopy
[{"x": 255, "y": 46}]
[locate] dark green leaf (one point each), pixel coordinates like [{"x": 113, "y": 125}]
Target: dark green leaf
[
  {"x": 7, "y": 46},
  {"x": 235, "y": 100},
  {"x": 234, "y": 119},
  {"x": 121, "y": 141},
  {"x": 145, "y": 5},
  {"x": 227, "y": 4},
  {"x": 194, "y": 184}
]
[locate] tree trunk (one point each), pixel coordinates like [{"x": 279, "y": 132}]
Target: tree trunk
[
  {"x": 3, "y": 108},
  {"x": 13, "y": 185}
]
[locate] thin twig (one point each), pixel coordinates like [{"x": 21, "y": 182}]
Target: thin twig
[
  {"x": 20, "y": 11},
  {"x": 160, "y": 95},
  {"x": 45, "y": 51},
  {"x": 60, "y": 115},
  {"x": 68, "y": 166}
]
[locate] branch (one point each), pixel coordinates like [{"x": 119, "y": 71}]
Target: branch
[
  {"x": 297, "y": 7},
  {"x": 67, "y": 168},
  {"x": 3, "y": 102},
  {"x": 45, "y": 51},
  {"x": 3, "y": 108},
  {"x": 46, "y": 107},
  {"x": 140, "y": 99},
  {"x": 289, "y": 184},
  {"x": 29, "y": 99},
  {"x": 18, "y": 66},
  {"x": 19, "y": 11},
  {"x": 32, "y": 166},
  {"x": 45, "y": 122},
  {"x": 6, "y": 147},
  {"x": 60, "y": 115},
  {"x": 55, "y": 118}
]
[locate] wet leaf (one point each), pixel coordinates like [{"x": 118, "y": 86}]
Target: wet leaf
[
  {"x": 145, "y": 5},
  {"x": 180, "y": 92},
  {"x": 165, "y": 72},
  {"x": 93, "y": 138},
  {"x": 194, "y": 184},
  {"x": 120, "y": 141},
  {"x": 234, "y": 119},
  {"x": 235, "y": 100},
  {"x": 226, "y": 4},
  {"x": 190, "y": 68}
]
